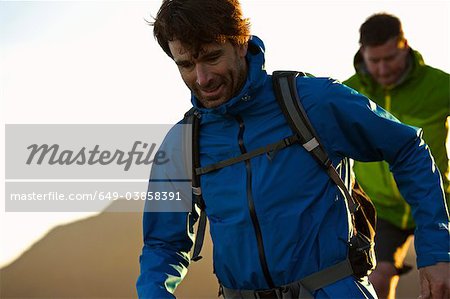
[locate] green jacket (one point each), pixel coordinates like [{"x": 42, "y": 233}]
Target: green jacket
[{"x": 420, "y": 99}]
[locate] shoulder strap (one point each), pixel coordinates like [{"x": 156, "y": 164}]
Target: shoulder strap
[
  {"x": 192, "y": 118},
  {"x": 285, "y": 87}
]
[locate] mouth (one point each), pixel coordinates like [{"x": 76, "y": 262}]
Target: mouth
[
  {"x": 212, "y": 94},
  {"x": 386, "y": 79}
]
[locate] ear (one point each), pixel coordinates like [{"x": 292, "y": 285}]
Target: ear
[
  {"x": 242, "y": 49},
  {"x": 406, "y": 44},
  {"x": 403, "y": 44},
  {"x": 361, "y": 49}
]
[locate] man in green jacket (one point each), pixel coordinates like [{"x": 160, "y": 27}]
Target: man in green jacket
[{"x": 395, "y": 76}]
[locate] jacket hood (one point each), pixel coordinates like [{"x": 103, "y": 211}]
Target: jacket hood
[
  {"x": 416, "y": 66},
  {"x": 256, "y": 76}
]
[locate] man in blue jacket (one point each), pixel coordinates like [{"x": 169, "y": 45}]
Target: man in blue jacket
[{"x": 276, "y": 219}]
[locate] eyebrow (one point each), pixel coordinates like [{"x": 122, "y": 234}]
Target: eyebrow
[
  {"x": 390, "y": 56},
  {"x": 205, "y": 56},
  {"x": 182, "y": 62},
  {"x": 211, "y": 54}
]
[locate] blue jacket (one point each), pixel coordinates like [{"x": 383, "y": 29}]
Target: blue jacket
[{"x": 302, "y": 216}]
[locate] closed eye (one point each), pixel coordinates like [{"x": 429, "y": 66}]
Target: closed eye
[
  {"x": 184, "y": 64},
  {"x": 212, "y": 56}
]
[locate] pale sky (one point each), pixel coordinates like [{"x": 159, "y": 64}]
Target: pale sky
[{"x": 97, "y": 62}]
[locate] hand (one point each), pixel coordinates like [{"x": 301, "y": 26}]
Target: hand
[{"x": 435, "y": 281}]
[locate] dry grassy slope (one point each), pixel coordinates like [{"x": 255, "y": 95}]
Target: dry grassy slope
[{"x": 98, "y": 258}]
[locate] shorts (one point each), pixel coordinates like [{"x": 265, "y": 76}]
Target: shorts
[{"x": 391, "y": 245}]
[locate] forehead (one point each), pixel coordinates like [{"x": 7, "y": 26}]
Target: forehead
[
  {"x": 182, "y": 51},
  {"x": 389, "y": 48}
]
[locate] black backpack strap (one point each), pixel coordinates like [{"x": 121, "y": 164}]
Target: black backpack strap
[
  {"x": 270, "y": 150},
  {"x": 285, "y": 87},
  {"x": 191, "y": 140},
  {"x": 187, "y": 141}
]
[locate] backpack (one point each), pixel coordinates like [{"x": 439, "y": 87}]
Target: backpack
[{"x": 361, "y": 245}]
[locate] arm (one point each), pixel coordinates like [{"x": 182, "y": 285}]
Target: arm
[
  {"x": 167, "y": 225},
  {"x": 351, "y": 125},
  {"x": 165, "y": 255}
]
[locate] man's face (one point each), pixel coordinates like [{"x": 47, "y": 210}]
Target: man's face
[
  {"x": 215, "y": 74},
  {"x": 386, "y": 63}
]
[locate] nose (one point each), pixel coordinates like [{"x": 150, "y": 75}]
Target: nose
[
  {"x": 203, "y": 74},
  {"x": 383, "y": 68}
]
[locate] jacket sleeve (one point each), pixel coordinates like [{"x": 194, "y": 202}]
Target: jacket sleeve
[
  {"x": 351, "y": 125},
  {"x": 167, "y": 229},
  {"x": 165, "y": 255}
]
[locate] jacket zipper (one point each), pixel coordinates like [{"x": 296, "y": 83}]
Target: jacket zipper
[
  {"x": 251, "y": 207},
  {"x": 387, "y": 100}
]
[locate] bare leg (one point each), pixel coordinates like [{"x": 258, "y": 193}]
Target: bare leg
[
  {"x": 391, "y": 246},
  {"x": 384, "y": 279}
]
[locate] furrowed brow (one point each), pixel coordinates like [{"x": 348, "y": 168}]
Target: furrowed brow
[
  {"x": 183, "y": 62},
  {"x": 212, "y": 54}
]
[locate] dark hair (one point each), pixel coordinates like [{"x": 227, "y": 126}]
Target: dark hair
[
  {"x": 198, "y": 22},
  {"x": 379, "y": 28}
]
